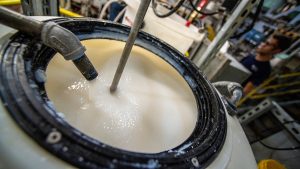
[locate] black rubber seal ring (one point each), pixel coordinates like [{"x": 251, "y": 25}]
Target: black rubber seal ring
[{"x": 26, "y": 100}]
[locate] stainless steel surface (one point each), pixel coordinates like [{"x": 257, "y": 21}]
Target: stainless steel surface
[{"x": 129, "y": 44}]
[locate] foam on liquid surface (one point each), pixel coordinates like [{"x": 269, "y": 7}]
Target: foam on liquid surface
[{"x": 153, "y": 109}]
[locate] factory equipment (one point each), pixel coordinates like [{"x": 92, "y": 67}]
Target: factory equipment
[
  {"x": 54, "y": 36},
  {"x": 217, "y": 141},
  {"x": 170, "y": 29},
  {"x": 130, "y": 41},
  {"x": 217, "y": 134}
]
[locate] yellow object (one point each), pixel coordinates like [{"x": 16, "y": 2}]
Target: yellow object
[
  {"x": 270, "y": 164},
  {"x": 10, "y": 2},
  {"x": 68, "y": 13},
  {"x": 281, "y": 85},
  {"x": 265, "y": 83},
  {"x": 253, "y": 94},
  {"x": 61, "y": 10},
  {"x": 260, "y": 96},
  {"x": 290, "y": 75},
  {"x": 187, "y": 54},
  {"x": 210, "y": 32}
]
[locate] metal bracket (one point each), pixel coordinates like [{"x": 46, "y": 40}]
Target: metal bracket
[
  {"x": 257, "y": 111},
  {"x": 286, "y": 120},
  {"x": 232, "y": 91}
]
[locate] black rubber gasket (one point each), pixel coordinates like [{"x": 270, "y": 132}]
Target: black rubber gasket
[{"x": 26, "y": 100}]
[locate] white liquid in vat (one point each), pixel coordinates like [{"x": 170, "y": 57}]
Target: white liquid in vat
[{"x": 153, "y": 109}]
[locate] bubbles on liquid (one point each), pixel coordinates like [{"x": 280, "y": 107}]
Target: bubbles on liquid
[
  {"x": 84, "y": 106},
  {"x": 144, "y": 114},
  {"x": 82, "y": 84}
]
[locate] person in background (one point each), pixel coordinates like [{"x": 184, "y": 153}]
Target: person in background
[{"x": 259, "y": 65}]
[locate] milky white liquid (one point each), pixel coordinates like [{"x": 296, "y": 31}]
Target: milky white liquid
[{"x": 153, "y": 109}]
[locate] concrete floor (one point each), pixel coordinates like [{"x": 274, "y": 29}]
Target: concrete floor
[{"x": 290, "y": 159}]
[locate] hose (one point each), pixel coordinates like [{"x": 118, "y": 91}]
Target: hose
[
  {"x": 176, "y": 7},
  {"x": 200, "y": 12}
]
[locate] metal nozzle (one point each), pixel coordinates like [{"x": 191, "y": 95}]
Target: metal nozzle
[
  {"x": 66, "y": 43},
  {"x": 86, "y": 68},
  {"x": 54, "y": 36}
]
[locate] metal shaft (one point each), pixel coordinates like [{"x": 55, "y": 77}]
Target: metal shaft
[
  {"x": 132, "y": 36},
  {"x": 20, "y": 22}
]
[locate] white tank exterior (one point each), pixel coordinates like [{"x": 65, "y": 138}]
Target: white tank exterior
[{"x": 18, "y": 150}]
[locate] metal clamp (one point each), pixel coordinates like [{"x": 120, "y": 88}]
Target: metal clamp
[{"x": 232, "y": 91}]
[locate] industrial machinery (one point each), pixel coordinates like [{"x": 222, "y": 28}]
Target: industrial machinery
[
  {"x": 35, "y": 135},
  {"x": 50, "y": 131}
]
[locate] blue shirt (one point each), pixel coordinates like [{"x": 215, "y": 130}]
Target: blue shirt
[{"x": 260, "y": 70}]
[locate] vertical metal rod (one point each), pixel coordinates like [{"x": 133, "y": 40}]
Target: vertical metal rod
[{"x": 139, "y": 17}]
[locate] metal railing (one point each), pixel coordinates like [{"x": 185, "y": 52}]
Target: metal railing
[{"x": 257, "y": 94}]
